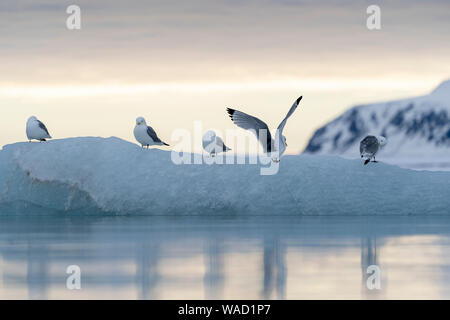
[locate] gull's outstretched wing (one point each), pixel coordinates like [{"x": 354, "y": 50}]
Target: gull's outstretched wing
[
  {"x": 291, "y": 111},
  {"x": 248, "y": 122},
  {"x": 43, "y": 127}
]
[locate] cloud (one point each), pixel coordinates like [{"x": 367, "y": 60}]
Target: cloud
[{"x": 203, "y": 40}]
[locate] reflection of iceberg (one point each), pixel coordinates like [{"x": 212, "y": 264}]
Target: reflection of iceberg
[
  {"x": 243, "y": 257},
  {"x": 111, "y": 175}
]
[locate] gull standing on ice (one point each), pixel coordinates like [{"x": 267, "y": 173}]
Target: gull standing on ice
[
  {"x": 213, "y": 144},
  {"x": 36, "y": 130},
  {"x": 145, "y": 135},
  {"x": 261, "y": 130},
  {"x": 369, "y": 147}
]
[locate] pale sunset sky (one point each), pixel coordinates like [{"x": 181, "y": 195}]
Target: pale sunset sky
[{"x": 176, "y": 62}]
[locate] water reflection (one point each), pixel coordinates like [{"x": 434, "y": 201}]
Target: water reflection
[
  {"x": 37, "y": 262},
  {"x": 147, "y": 269},
  {"x": 369, "y": 257},
  {"x": 274, "y": 270},
  {"x": 214, "y": 269},
  {"x": 218, "y": 258}
]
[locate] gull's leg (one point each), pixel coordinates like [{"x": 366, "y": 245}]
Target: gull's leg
[{"x": 374, "y": 160}]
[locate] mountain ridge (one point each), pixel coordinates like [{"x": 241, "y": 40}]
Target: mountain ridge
[{"x": 417, "y": 129}]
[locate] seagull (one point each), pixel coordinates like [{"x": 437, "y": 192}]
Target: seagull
[
  {"x": 145, "y": 135},
  {"x": 369, "y": 146},
  {"x": 213, "y": 144},
  {"x": 261, "y": 130},
  {"x": 36, "y": 130}
]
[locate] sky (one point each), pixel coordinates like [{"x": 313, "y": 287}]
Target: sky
[{"x": 177, "y": 62}]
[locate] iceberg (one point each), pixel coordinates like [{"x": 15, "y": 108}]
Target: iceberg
[{"x": 112, "y": 176}]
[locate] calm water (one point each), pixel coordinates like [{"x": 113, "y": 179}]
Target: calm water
[{"x": 221, "y": 258}]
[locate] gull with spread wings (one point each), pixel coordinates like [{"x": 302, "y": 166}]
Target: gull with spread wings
[{"x": 275, "y": 147}]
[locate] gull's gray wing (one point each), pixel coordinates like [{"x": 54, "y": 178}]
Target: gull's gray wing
[
  {"x": 248, "y": 122},
  {"x": 369, "y": 145},
  {"x": 43, "y": 127},
  {"x": 221, "y": 145},
  {"x": 291, "y": 111},
  {"x": 153, "y": 134}
]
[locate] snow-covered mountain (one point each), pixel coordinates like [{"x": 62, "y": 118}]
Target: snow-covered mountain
[{"x": 417, "y": 129}]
